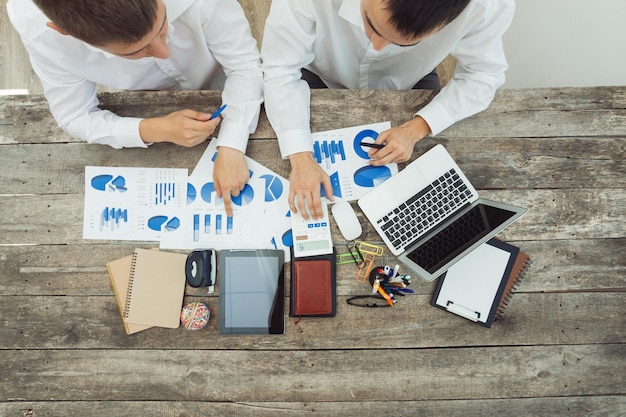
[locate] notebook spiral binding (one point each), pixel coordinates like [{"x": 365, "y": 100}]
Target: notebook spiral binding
[
  {"x": 130, "y": 285},
  {"x": 511, "y": 287}
]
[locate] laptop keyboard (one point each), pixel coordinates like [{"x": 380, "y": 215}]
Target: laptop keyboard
[
  {"x": 421, "y": 212},
  {"x": 453, "y": 239}
]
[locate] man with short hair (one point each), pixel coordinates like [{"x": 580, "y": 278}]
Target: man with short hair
[
  {"x": 147, "y": 45},
  {"x": 376, "y": 44}
]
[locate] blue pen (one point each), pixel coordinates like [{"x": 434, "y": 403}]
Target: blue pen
[{"x": 218, "y": 112}]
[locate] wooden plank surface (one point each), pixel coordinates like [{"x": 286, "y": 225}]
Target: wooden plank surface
[
  {"x": 92, "y": 322},
  {"x": 581, "y": 406},
  {"x": 552, "y": 214},
  {"x": 559, "y": 350},
  {"x": 490, "y": 163},
  {"x": 311, "y": 375},
  {"x": 527, "y": 113},
  {"x": 558, "y": 266}
]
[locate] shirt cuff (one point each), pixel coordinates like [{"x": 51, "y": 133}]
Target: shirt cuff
[
  {"x": 295, "y": 141},
  {"x": 127, "y": 132},
  {"x": 436, "y": 116},
  {"x": 233, "y": 135}
]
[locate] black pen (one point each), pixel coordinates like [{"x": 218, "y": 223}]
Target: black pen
[{"x": 372, "y": 145}]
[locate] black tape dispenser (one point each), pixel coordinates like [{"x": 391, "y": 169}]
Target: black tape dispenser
[{"x": 200, "y": 269}]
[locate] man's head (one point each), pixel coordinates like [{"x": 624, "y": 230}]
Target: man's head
[
  {"x": 406, "y": 22},
  {"x": 128, "y": 28}
]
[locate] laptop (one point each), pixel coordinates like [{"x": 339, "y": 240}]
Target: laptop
[{"x": 430, "y": 216}]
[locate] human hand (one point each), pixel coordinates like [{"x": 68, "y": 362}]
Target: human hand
[
  {"x": 230, "y": 175},
  {"x": 399, "y": 142},
  {"x": 184, "y": 127},
  {"x": 304, "y": 185}
]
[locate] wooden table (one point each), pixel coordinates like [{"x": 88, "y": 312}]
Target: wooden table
[{"x": 560, "y": 349}]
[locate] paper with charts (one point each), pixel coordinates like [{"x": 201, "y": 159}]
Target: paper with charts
[
  {"x": 133, "y": 203},
  {"x": 260, "y": 213},
  {"x": 341, "y": 156}
]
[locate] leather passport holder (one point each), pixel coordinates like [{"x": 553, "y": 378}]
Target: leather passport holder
[{"x": 313, "y": 287}]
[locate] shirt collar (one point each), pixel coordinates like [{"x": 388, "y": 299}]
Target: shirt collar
[{"x": 350, "y": 10}]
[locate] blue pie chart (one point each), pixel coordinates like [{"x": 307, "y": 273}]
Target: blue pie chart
[
  {"x": 356, "y": 145},
  {"x": 206, "y": 192},
  {"x": 119, "y": 183},
  {"x": 172, "y": 224},
  {"x": 156, "y": 222},
  {"x": 370, "y": 176},
  {"x": 273, "y": 187},
  {"x": 99, "y": 182},
  {"x": 159, "y": 223},
  {"x": 191, "y": 193},
  {"x": 287, "y": 239},
  {"x": 245, "y": 197}
]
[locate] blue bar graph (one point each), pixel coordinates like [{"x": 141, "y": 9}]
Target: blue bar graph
[
  {"x": 111, "y": 217},
  {"x": 207, "y": 223},
  {"x": 328, "y": 152},
  {"x": 218, "y": 224},
  {"x": 164, "y": 192},
  {"x": 196, "y": 227}
]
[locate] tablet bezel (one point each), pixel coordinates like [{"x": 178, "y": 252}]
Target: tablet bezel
[{"x": 276, "y": 319}]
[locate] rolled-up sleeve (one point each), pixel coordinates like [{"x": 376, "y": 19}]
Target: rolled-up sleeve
[{"x": 480, "y": 71}]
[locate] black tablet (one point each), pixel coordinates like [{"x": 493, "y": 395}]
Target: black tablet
[{"x": 252, "y": 291}]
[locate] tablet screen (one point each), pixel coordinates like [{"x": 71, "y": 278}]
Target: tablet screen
[{"x": 252, "y": 293}]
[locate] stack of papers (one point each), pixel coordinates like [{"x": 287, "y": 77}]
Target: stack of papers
[{"x": 182, "y": 211}]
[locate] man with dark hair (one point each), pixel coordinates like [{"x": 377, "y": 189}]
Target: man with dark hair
[
  {"x": 74, "y": 45},
  {"x": 376, "y": 44}
]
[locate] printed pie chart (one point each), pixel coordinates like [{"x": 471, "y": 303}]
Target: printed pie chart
[
  {"x": 287, "y": 239},
  {"x": 370, "y": 176},
  {"x": 159, "y": 223},
  {"x": 245, "y": 197},
  {"x": 155, "y": 223},
  {"x": 363, "y": 134},
  {"x": 99, "y": 182},
  {"x": 172, "y": 224},
  {"x": 273, "y": 187},
  {"x": 119, "y": 183},
  {"x": 191, "y": 193},
  {"x": 206, "y": 192}
]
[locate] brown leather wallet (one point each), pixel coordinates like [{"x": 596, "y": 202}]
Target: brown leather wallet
[{"x": 313, "y": 286}]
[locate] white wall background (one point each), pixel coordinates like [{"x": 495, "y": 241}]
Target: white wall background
[{"x": 566, "y": 43}]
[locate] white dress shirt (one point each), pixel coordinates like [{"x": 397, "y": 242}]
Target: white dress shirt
[
  {"x": 328, "y": 38},
  {"x": 211, "y": 47}
]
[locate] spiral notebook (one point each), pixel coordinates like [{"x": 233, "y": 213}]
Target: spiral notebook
[
  {"x": 479, "y": 286},
  {"x": 119, "y": 275},
  {"x": 156, "y": 288}
]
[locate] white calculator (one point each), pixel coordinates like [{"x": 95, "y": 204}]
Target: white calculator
[{"x": 311, "y": 237}]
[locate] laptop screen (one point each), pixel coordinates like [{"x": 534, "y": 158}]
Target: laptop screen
[{"x": 449, "y": 242}]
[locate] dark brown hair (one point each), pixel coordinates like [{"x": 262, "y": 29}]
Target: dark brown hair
[
  {"x": 414, "y": 18},
  {"x": 102, "y": 22}
]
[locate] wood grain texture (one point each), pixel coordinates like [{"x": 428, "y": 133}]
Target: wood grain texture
[
  {"x": 559, "y": 349},
  {"x": 490, "y": 163},
  {"x": 582, "y": 406},
  {"x": 310, "y": 375},
  {"x": 79, "y": 269},
  {"x": 556, "y": 112},
  {"x": 552, "y": 214},
  {"x": 75, "y": 322}
]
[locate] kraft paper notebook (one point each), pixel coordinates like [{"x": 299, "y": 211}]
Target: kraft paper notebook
[
  {"x": 119, "y": 275},
  {"x": 156, "y": 288},
  {"x": 479, "y": 286}
]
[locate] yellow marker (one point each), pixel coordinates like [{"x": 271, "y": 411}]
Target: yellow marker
[{"x": 385, "y": 296}]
